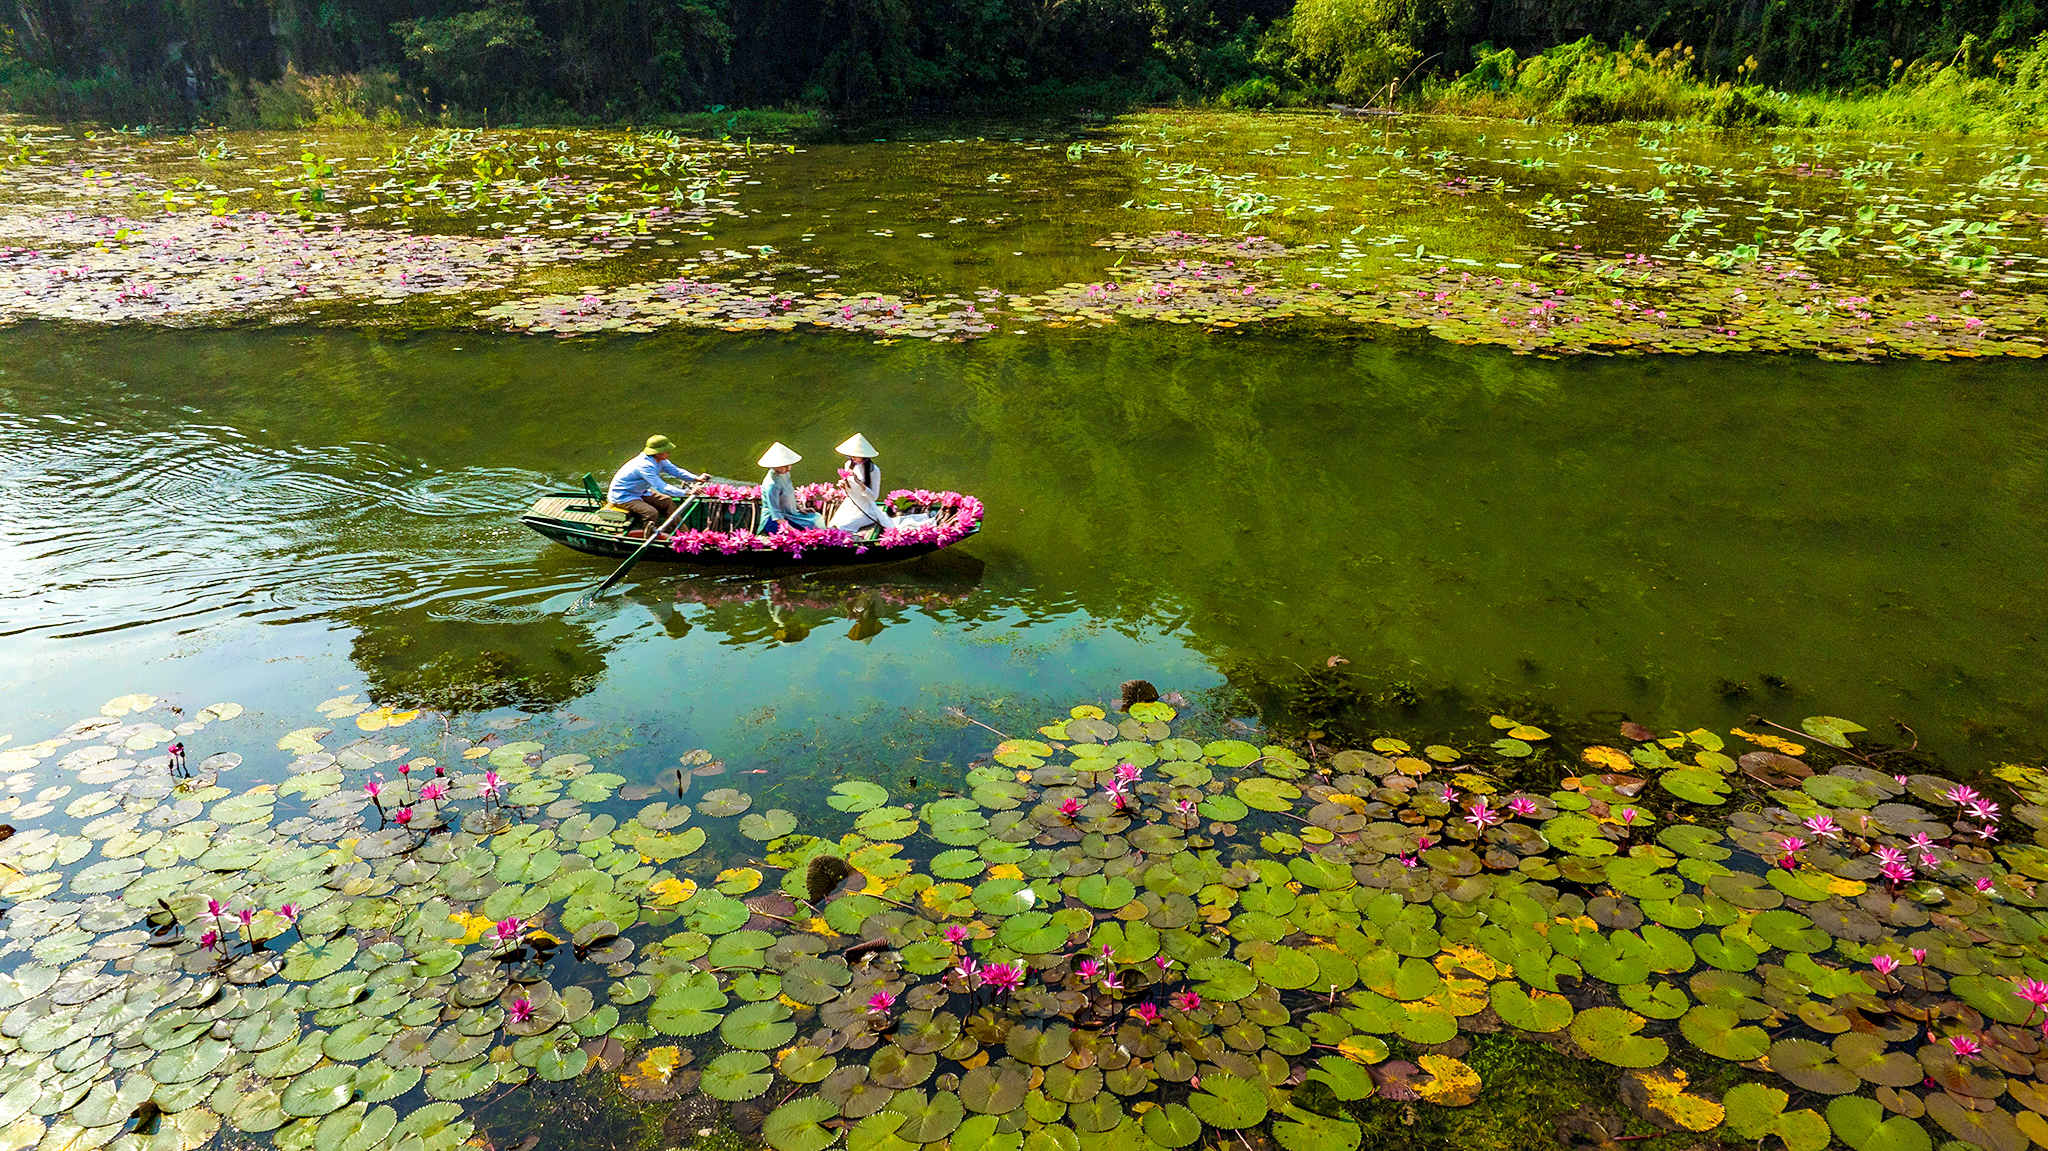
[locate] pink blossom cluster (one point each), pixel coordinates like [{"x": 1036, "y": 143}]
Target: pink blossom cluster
[
  {"x": 737, "y": 493},
  {"x": 967, "y": 514}
]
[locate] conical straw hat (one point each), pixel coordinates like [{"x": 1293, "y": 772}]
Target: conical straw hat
[
  {"x": 857, "y": 446},
  {"x": 778, "y": 455}
]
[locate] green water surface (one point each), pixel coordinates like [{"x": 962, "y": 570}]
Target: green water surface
[{"x": 277, "y": 514}]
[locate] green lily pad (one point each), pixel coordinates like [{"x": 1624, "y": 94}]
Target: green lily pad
[
  {"x": 857, "y": 796},
  {"x": 1861, "y": 1124},
  {"x": 1171, "y": 1126},
  {"x": 1229, "y": 1102},
  {"x": 795, "y": 1126},
  {"x": 1719, "y": 1032},
  {"x": 758, "y": 1026},
  {"x": 737, "y": 1075},
  {"x": 319, "y": 1091},
  {"x": 1609, "y": 1034},
  {"x": 461, "y": 1080}
]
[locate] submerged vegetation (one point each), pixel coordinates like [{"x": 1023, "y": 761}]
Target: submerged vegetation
[{"x": 1114, "y": 936}]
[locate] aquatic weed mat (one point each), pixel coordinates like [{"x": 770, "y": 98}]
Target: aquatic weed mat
[
  {"x": 1115, "y": 935},
  {"x": 1540, "y": 240}
]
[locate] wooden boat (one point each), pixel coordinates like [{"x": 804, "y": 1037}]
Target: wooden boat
[{"x": 717, "y": 530}]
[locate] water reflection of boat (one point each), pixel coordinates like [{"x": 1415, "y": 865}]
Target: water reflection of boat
[
  {"x": 795, "y": 605},
  {"x": 717, "y": 529}
]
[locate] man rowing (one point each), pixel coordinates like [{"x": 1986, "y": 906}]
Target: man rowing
[{"x": 640, "y": 489}]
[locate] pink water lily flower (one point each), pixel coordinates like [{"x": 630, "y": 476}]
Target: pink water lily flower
[
  {"x": 1984, "y": 885},
  {"x": 1628, "y": 816},
  {"x": 1186, "y": 1001},
  {"x": 432, "y": 791},
  {"x": 1890, "y": 855},
  {"x": 1164, "y": 963},
  {"x": 1897, "y": 872},
  {"x": 1885, "y": 964},
  {"x": 1988, "y": 831},
  {"x": 1983, "y": 811},
  {"x": 1128, "y": 772},
  {"x": 1823, "y": 827},
  {"x": 1187, "y": 807},
  {"x": 1960, "y": 795},
  {"x": 403, "y": 815},
  {"x": 1793, "y": 843},
  {"x": 969, "y": 972},
  {"x": 214, "y": 908},
  {"x": 209, "y": 939},
  {"x": 2033, "y": 991},
  {"x": 1481, "y": 816},
  {"x": 1919, "y": 955},
  {"x": 491, "y": 784},
  {"x": 522, "y": 1010},
  {"x": 1448, "y": 794},
  {"x": 956, "y": 934},
  {"x": 374, "y": 787},
  {"x": 1148, "y": 1013},
  {"x": 1114, "y": 981},
  {"x": 506, "y": 929},
  {"x": 1964, "y": 1046},
  {"x": 1004, "y": 977},
  {"x": 881, "y": 1003},
  {"x": 1522, "y": 805},
  {"x": 247, "y": 916},
  {"x": 290, "y": 912},
  {"x": 1070, "y": 808},
  {"x": 1089, "y": 969}
]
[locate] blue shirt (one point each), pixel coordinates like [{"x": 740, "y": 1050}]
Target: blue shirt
[
  {"x": 778, "y": 501},
  {"x": 642, "y": 474}
]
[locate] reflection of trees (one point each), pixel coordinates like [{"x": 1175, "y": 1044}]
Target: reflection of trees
[{"x": 535, "y": 661}]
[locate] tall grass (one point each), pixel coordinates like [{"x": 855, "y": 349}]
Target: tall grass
[{"x": 1587, "y": 83}]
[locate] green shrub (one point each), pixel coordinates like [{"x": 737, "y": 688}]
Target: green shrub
[
  {"x": 110, "y": 96},
  {"x": 1258, "y": 92},
  {"x": 1731, "y": 107},
  {"x": 1491, "y": 71}
]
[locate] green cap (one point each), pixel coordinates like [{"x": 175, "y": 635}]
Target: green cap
[{"x": 658, "y": 444}]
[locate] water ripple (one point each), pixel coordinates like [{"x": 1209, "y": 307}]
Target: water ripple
[{"x": 110, "y": 529}]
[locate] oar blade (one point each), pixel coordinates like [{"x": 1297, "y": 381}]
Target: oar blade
[{"x": 613, "y": 579}]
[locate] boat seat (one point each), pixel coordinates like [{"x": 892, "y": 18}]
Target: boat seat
[
  {"x": 606, "y": 511},
  {"x": 569, "y": 509}
]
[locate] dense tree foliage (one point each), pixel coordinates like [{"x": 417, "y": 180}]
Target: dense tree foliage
[{"x": 277, "y": 60}]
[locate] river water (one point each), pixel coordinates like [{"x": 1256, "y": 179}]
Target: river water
[{"x": 276, "y": 515}]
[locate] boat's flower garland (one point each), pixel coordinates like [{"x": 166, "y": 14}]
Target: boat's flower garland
[
  {"x": 966, "y": 514},
  {"x": 738, "y": 493},
  {"x": 966, "y": 511}
]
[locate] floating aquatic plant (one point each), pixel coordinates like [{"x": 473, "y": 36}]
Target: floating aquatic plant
[{"x": 1119, "y": 935}]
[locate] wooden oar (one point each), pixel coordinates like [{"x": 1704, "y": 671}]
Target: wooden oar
[{"x": 620, "y": 574}]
